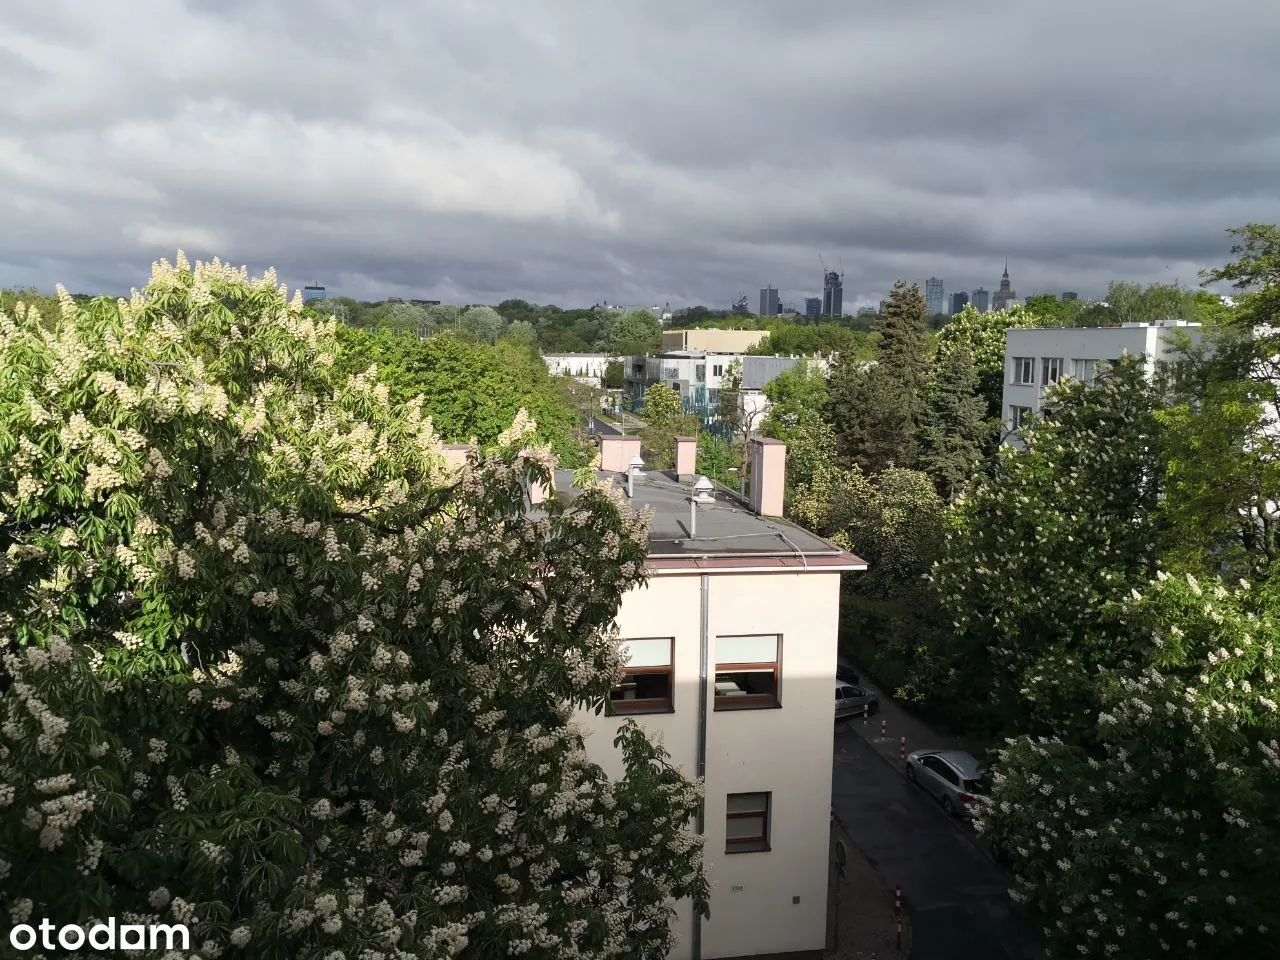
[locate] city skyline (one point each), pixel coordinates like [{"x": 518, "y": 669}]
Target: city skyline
[{"x": 454, "y": 152}]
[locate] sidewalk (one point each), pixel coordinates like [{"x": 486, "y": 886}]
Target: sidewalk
[
  {"x": 896, "y": 723},
  {"x": 862, "y": 924}
]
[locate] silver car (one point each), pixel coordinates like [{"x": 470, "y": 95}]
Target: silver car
[
  {"x": 954, "y": 777},
  {"x": 854, "y": 701}
]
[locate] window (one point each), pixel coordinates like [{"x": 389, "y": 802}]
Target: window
[
  {"x": 700, "y": 372},
  {"x": 1050, "y": 370},
  {"x": 747, "y": 672},
  {"x": 1024, "y": 370},
  {"x": 717, "y": 369},
  {"x": 647, "y": 684},
  {"x": 747, "y": 822},
  {"x": 713, "y": 397},
  {"x": 1084, "y": 371},
  {"x": 1018, "y": 417},
  {"x": 942, "y": 769}
]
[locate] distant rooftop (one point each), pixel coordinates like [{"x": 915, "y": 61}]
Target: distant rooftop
[{"x": 729, "y": 534}]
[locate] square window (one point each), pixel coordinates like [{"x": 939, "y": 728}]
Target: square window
[
  {"x": 747, "y": 672},
  {"x": 1084, "y": 371},
  {"x": 1051, "y": 370},
  {"x": 1018, "y": 417},
  {"x": 747, "y": 822},
  {"x": 648, "y": 683},
  {"x": 1024, "y": 370}
]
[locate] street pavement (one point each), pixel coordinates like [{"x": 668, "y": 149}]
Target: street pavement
[{"x": 955, "y": 896}]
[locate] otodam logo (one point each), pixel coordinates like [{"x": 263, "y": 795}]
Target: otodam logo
[{"x": 101, "y": 936}]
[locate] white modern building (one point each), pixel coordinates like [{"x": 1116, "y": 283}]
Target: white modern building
[
  {"x": 699, "y": 376},
  {"x": 732, "y": 647},
  {"x": 587, "y": 367},
  {"x": 1037, "y": 357}
]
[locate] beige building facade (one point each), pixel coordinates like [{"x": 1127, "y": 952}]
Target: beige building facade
[
  {"x": 713, "y": 340},
  {"x": 733, "y": 645}
]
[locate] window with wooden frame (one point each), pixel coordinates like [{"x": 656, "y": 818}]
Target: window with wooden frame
[
  {"x": 747, "y": 822},
  {"x": 748, "y": 671},
  {"x": 648, "y": 682}
]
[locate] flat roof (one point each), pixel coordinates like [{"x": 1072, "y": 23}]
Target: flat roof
[{"x": 729, "y": 535}]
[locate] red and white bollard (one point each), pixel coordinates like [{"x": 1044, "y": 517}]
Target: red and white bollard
[
  {"x": 884, "y": 729},
  {"x": 866, "y": 712},
  {"x": 897, "y": 902},
  {"x": 902, "y": 748}
]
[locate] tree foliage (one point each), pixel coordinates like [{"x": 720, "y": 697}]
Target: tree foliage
[
  {"x": 1161, "y": 840},
  {"x": 954, "y": 431},
  {"x": 636, "y": 332},
  {"x": 894, "y": 521},
  {"x": 797, "y": 399},
  {"x": 1038, "y": 549},
  {"x": 483, "y": 323},
  {"x": 268, "y": 670},
  {"x": 664, "y": 420},
  {"x": 983, "y": 336},
  {"x": 469, "y": 390}
]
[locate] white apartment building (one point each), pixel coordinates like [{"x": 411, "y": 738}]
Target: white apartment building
[
  {"x": 1037, "y": 357},
  {"x": 732, "y": 648}
]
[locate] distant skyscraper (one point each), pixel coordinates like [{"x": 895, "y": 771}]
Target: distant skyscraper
[
  {"x": 813, "y": 306},
  {"x": 959, "y": 301},
  {"x": 934, "y": 296},
  {"x": 769, "y": 302},
  {"x": 1005, "y": 297},
  {"x": 313, "y": 293},
  {"x": 980, "y": 300},
  {"x": 832, "y": 295},
  {"x": 1070, "y": 295}
]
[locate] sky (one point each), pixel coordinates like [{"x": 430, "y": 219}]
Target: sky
[{"x": 635, "y": 151}]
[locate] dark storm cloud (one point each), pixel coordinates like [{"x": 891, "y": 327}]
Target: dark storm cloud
[{"x": 638, "y": 151}]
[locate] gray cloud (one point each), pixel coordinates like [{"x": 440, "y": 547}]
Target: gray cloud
[{"x": 637, "y": 151}]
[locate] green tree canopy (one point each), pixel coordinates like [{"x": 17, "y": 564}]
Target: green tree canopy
[
  {"x": 797, "y": 399},
  {"x": 1037, "y": 550},
  {"x": 664, "y": 420},
  {"x": 1161, "y": 840},
  {"x": 983, "y": 336},
  {"x": 875, "y": 409},
  {"x": 261, "y": 647},
  {"x": 636, "y": 332},
  {"x": 954, "y": 430},
  {"x": 483, "y": 323},
  {"x": 468, "y": 389}
]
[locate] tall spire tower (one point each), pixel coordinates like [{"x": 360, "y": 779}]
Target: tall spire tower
[{"x": 1004, "y": 297}]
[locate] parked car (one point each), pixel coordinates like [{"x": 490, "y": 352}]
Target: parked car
[
  {"x": 854, "y": 701},
  {"x": 954, "y": 777},
  {"x": 845, "y": 672}
]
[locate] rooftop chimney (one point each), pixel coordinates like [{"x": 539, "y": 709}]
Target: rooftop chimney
[
  {"x": 686, "y": 458},
  {"x": 540, "y": 492},
  {"x": 768, "y": 475},
  {"x": 455, "y": 455},
  {"x": 616, "y": 453}
]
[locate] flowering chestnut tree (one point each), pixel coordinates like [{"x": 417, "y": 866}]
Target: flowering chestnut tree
[
  {"x": 1161, "y": 838},
  {"x": 275, "y": 670},
  {"x": 1037, "y": 549}
]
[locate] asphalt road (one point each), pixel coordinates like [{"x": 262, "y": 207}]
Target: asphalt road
[{"x": 954, "y": 894}]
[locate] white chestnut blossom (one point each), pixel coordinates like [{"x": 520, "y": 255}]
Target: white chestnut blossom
[{"x": 296, "y": 670}]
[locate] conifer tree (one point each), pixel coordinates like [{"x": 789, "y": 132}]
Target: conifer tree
[{"x": 953, "y": 426}]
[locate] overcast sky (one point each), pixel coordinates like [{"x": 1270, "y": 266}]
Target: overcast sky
[{"x": 635, "y": 151}]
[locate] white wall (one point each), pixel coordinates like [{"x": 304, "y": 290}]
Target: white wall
[
  {"x": 786, "y": 751},
  {"x": 584, "y": 365},
  {"x": 1079, "y": 343}
]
